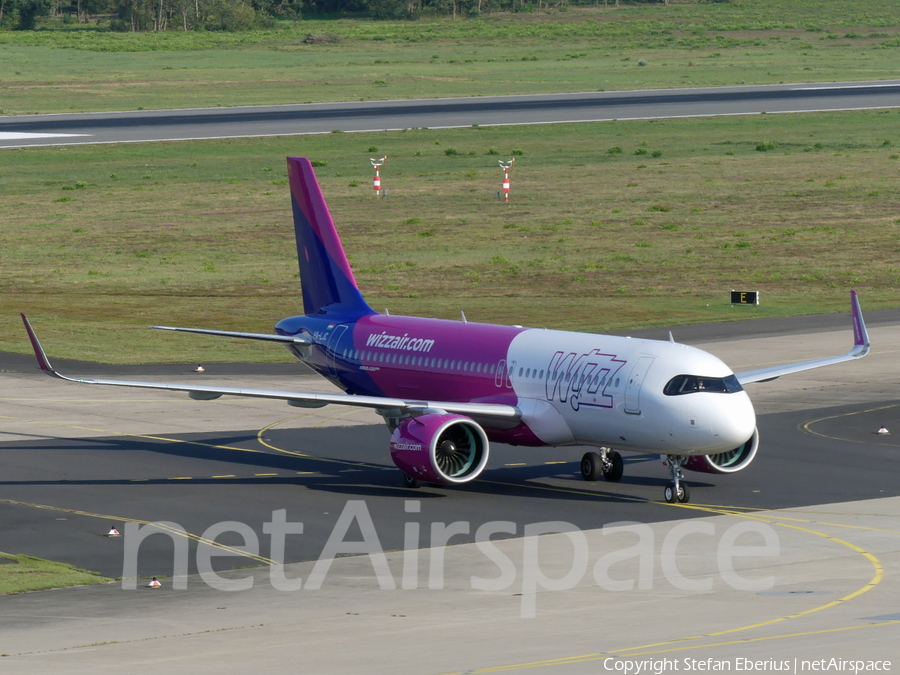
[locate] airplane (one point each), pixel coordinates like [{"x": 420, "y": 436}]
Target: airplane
[{"x": 446, "y": 389}]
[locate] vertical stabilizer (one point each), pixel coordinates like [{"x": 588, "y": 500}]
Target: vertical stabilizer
[{"x": 325, "y": 276}]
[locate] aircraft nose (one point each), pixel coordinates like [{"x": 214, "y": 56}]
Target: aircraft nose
[{"x": 736, "y": 419}]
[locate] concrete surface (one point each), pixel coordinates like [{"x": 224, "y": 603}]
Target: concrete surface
[{"x": 834, "y": 589}]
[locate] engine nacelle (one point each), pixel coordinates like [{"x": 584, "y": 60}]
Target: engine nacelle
[
  {"x": 446, "y": 449},
  {"x": 726, "y": 462}
]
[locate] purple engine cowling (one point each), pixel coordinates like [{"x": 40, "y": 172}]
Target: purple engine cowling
[
  {"x": 446, "y": 449},
  {"x": 726, "y": 462}
]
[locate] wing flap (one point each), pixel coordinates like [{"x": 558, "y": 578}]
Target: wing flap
[{"x": 266, "y": 337}]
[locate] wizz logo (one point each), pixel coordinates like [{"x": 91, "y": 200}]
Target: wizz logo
[{"x": 583, "y": 379}]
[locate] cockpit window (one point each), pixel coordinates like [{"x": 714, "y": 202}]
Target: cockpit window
[{"x": 689, "y": 384}]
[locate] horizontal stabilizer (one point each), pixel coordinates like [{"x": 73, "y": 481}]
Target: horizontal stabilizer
[{"x": 265, "y": 337}]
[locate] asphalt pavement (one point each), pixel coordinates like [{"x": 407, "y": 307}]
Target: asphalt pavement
[
  {"x": 320, "y": 118},
  {"x": 822, "y": 494}
]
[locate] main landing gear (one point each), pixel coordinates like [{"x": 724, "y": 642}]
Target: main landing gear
[
  {"x": 677, "y": 491},
  {"x": 607, "y": 462}
]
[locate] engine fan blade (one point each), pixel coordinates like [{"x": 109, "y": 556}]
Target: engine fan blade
[{"x": 455, "y": 453}]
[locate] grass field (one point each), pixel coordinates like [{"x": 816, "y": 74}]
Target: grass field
[
  {"x": 611, "y": 225},
  {"x": 26, "y": 573},
  {"x": 583, "y": 49}
]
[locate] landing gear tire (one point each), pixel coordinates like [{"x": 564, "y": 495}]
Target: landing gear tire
[
  {"x": 411, "y": 481},
  {"x": 670, "y": 493},
  {"x": 681, "y": 493},
  {"x": 591, "y": 466},
  {"x": 613, "y": 473}
]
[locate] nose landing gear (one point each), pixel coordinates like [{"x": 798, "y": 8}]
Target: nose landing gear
[{"x": 677, "y": 491}]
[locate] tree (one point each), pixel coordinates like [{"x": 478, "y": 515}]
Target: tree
[{"x": 29, "y": 11}]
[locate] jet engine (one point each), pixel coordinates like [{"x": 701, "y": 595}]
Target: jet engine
[
  {"x": 725, "y": 462},
  {"x": 434, "y": 448}
]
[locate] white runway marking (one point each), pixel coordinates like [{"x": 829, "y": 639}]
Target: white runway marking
[{"x": 16, "y": 136}]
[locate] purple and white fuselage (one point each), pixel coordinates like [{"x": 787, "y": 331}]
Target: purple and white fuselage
[
  {"x": 448, "y": 388},
  {"x": 570, "y": 388}
]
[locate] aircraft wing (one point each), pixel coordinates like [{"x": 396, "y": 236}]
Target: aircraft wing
[
  {"x": 287, "y": 339},
  {"x": 860, "y": 349},
  {"x": 296, "y": 398}
]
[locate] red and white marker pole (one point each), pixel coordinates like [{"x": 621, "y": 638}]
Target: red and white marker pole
[
  {"x": 507, "y": 167},
  {"x": 376, "y": 183}
]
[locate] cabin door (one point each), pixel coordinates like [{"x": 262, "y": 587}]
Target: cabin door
[{"x": 633, "y": 386}]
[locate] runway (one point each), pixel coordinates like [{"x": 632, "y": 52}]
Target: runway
[
  {"x": 355, "y": 116},
  {"x": 76, "y": 459}
]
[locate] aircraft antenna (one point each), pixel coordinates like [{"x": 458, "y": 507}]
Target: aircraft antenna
[
  {"x": 462, "y": 315},
  {"x": 671, "y": 338}
]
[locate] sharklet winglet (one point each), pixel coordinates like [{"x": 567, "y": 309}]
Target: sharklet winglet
[
  {"x": 860, "y": 334},
  {"x": 39, "y": 352}
]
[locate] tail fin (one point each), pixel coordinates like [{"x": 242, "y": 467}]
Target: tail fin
[{"x": 325, "y": 276}]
